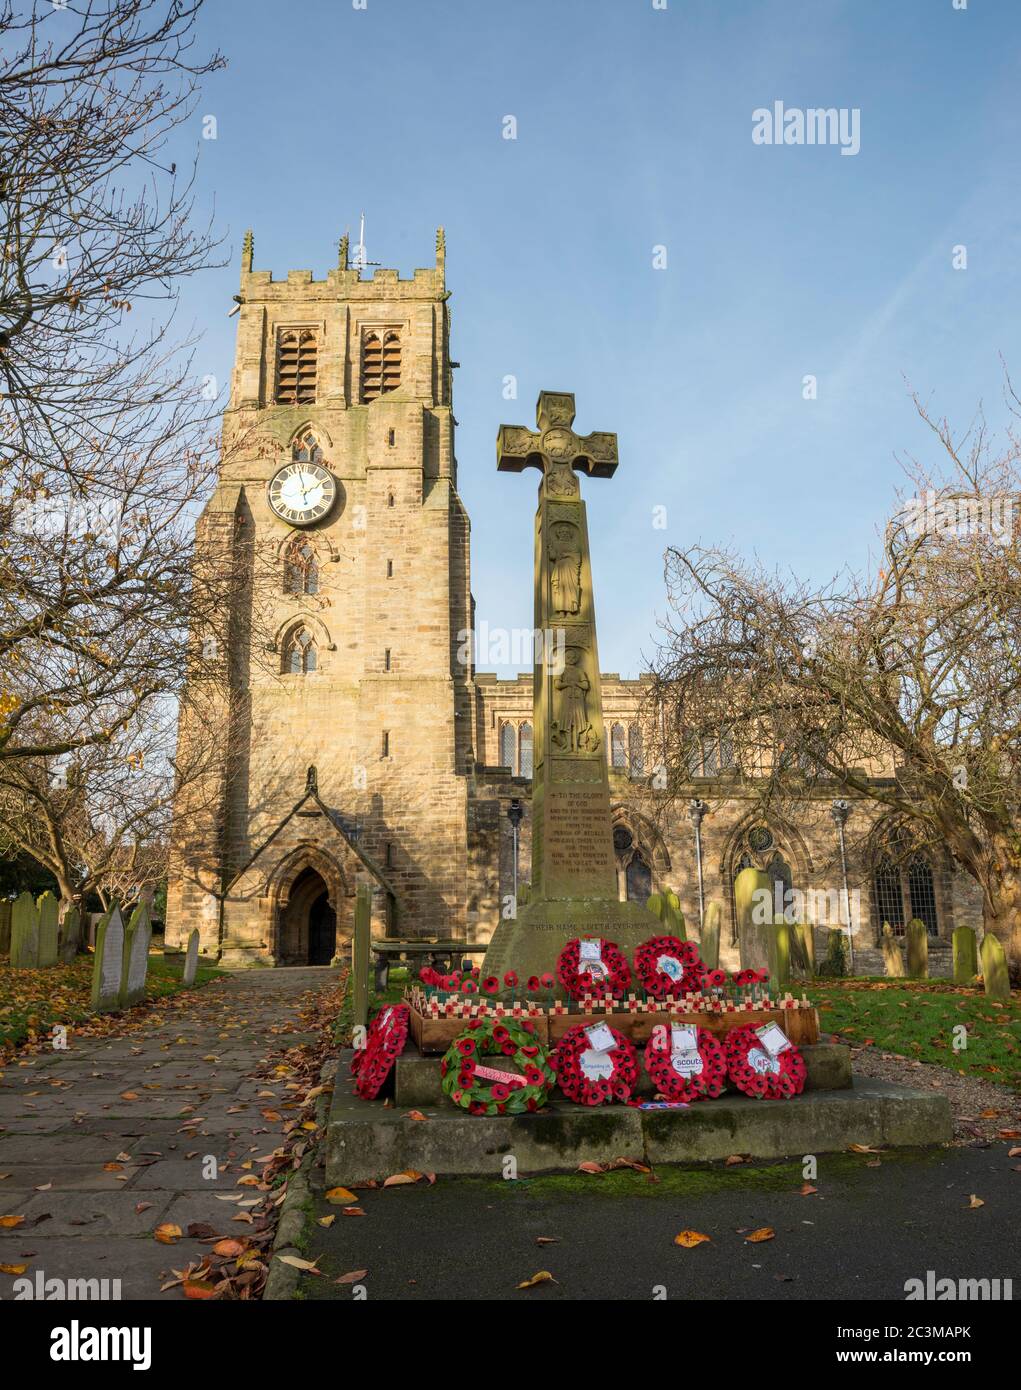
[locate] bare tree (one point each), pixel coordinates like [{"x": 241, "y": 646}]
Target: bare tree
[
  {"x": 107, "y": 444},
  {"x": 913, "y": 672}
]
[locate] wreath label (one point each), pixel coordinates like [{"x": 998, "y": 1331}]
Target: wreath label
[
  {"x": 596, "y": 1064},
  {"x": 762, "y": 1062},
  {"x": 685, "y": 1057},
  {"x": 671, "y": 966},
  {"x": 509, "y": 1078},
  {"x": 773, "y": 1038}
]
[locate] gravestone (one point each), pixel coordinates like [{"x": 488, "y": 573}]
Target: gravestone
[
  {"x": 191, "y": 958},
  {"x": 667, "y": 907},
  {"x": 779, "y": 941},
  {"x": 574, "y": 870},
  {"x": 802, "y": 950},
  {"x": 5, "y": 926},
  {"x": 70, "y": 935},
  {"x": 995, "y": 975},
  {"x": 754, "y": 919},
  {"x": 135, "y": 958},
  {"x": 108, "y": 964},
  {"x": 917, "y": 938},
  {"x": 360, "y": 956},
  {"x": 892, "y": 958},
  {"x": 709, "y": 948},
  {"x": 965, "y": 946},
  {"x": 24, "y": 933},
  {"x": 49, "y": 929}
]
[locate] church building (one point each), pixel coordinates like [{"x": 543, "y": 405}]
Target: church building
[{"x": 353, "y": 742}]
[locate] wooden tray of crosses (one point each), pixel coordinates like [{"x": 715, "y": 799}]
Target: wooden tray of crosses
[
  {"x": 800, "y": 1024},
  {"x": 435, "y": 1034}
]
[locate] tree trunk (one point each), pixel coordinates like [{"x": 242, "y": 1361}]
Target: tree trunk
[{"x": 1004, "y": 919}]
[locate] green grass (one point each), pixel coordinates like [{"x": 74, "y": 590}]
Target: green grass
[
  {"x": 918, "y": 1020},
  {"x": 31, "y": 1001}
]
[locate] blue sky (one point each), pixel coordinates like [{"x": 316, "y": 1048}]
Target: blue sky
[{"x": 634, "y": 129}]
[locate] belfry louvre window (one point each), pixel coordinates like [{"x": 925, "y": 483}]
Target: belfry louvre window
[
  {"x": 297, "y": 365},
  {"x": 381, "y": 362}
]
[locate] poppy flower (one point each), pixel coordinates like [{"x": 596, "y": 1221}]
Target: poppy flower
[
  {"x": 533, "y": 984},
  {"x": 465, "y": 1046},
  {"x": 498, "y": 1091},
  {"x": 510, "y": 979},
  {"x": 547, "y": 981},
  {"x": 490, "y": 984}
]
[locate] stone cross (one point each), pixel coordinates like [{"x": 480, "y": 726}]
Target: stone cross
[{"x": 574, "y": 873}]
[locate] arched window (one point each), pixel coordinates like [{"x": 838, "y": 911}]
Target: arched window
[
  {"x": 301, "y": 569},
  {"x": 306, "y": 448},
  {"x": 636, "y": 757},
  {"x": 297, "y": 353},
  {"x": 904, "y": 888},
  {"x": 381, "y": 363},
  {"x": 618, "y": 756},
  {"x": 299, "y": 651},
  {"x": 525, "y": 750},
  {"x": 507, "y": 741}
]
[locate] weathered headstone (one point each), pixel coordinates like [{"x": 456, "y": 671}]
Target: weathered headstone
[
  {"x": 667, "y": 907},
  {"x": 965, "y": 946},
  {"x": 135, "y": 958},
  {"x": 108, "y": 963},
  {"x": 779, "y": 941},
  {"x": 709, "y": 949},
  {"x": 574, "y": 871},
  {"x": 191, "y": 957},
  {"x": 70, "y": 935},
  {"x": 24, "y": 933},
  {"x": 49, "y": 929},
  {"x": 802, "y": 950},
  {"x": 892, "y": 958},
  {"x": 754, "y": 917},
  {"x": 5, "y": 926},
  {"x": 995, "y": 974},
  {"x": 360, "y": 956},
  {"x": 917, "y": 939}
]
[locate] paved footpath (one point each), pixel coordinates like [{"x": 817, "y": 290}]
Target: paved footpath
[{"x": 103, "y": 1142}]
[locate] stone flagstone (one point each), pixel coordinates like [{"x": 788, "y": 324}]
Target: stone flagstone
[
  {"x": 25, "y": 933},
  {"x": 574, "y": 874},
  {"x": 107, "y": 968},
  {"x": 49, "y": 913}
]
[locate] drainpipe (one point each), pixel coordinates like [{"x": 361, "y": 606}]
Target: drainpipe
[
  {"x": 696, "y": 810},
  {"x": 840, "y": 810}
]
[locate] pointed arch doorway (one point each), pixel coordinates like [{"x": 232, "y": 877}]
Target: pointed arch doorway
[{"x": 309, "y": 927}]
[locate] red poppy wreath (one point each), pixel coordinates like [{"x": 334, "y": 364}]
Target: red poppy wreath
[
  {"x": 757, "y": 1071},
  {"x": 484, "y": 1090},
  {"x": 681, "y": 1071},
  {"x": 667, "y": 965},
  {"x": 589, "y": 1072},
  {"x": 593, "y": 966},
  {"x": 384, "y": 1043}
]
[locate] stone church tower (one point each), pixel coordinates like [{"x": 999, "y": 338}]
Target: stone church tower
[{"x": 347, "y": 716}]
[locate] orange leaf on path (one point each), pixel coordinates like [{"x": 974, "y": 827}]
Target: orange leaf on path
[
  {"x": 689, "y": 1239},
  {"x": 543, "y": 1277},
  {"x": 757, "y": 1237}
]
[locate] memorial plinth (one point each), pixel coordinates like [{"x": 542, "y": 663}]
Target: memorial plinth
[{"x": 574, "y": 874}]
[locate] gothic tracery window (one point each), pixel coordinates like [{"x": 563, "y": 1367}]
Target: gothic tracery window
[
  {"x": 904, "y": 888},
  {"x": 636, "y": 756},
  {"x": 297, "y": 365},
  {"x": 306, "y": 448},
  {"x": 301, "y": 568},
  {"x": 618, "y": 756},
  {"x": 525, "y": 750},
  {"x": 507, "y": 741},
  {"x": 299, "y": 651}
]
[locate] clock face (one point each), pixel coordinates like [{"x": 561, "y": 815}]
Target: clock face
[{"x": 302, "y": 493}]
